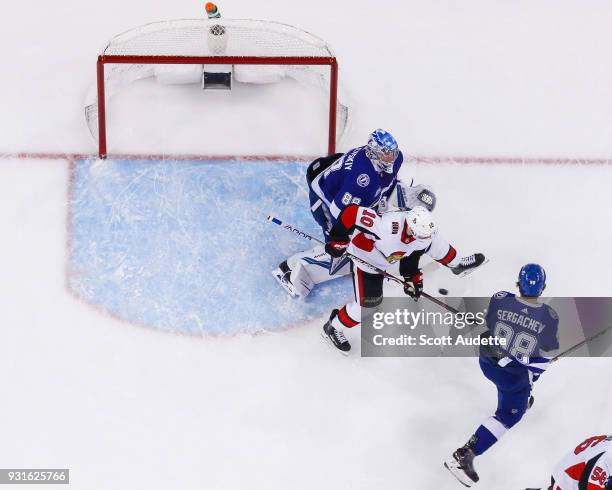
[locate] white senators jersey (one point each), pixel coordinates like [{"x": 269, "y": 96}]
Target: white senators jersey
[
  {"x": 587, "y": 467},
  {"x": 384, "y": 240}
]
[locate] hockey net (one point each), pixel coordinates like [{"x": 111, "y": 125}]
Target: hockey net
[{"x": 256, "y": 51}]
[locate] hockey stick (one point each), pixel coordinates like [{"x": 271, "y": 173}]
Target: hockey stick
[
  {"x": 300, "y": 233},
  {"x": 579, "y": 344}
]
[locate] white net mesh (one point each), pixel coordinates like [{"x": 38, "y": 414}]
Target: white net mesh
[{"x": 219, "y": 37}]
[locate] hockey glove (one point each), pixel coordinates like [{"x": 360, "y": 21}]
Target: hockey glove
[
  {"x": 336, "y": 248},
  {"x": 413, "y": 285}
]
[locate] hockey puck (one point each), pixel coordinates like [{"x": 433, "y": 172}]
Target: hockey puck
[{"x": 443, "y": 291}]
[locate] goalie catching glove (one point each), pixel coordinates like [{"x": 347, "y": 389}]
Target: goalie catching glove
[{"x": 413, "y": 285}]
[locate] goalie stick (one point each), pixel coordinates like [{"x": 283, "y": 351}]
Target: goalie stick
[{"x": 301, "y": 234}]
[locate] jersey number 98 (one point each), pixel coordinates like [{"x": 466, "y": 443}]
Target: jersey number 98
[{"x": 521, "y": 346}]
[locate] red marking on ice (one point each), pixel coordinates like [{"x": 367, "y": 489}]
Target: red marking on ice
[
  {"x": 158, "y": 157},
  {"x": 306, "y": 158}
]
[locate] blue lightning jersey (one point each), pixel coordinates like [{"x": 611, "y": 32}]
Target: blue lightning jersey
[
  {"x": 353, "y": 179},
  {"x": 529, "y": 329}
]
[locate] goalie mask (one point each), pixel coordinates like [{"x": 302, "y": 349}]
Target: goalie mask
[{"x": 382, "y": 150}]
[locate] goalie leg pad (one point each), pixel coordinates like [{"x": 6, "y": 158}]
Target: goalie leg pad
[
  {"x": 313, "y": 267},
  {"x": 282, "y": 274}
]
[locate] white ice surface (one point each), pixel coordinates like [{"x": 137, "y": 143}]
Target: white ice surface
[
  {"x": 126, "y": 407},
  {"x": 276, "y": 410}
]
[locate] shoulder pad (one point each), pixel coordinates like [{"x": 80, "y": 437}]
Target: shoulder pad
[
  {"x": 347, "y": 161},
  {"x": 552, "y": 312},
  {"x": 361, "y": 158}
]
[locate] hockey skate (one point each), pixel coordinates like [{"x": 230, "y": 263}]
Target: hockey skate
[
  {"x": 469, "y": 264},
  {"x": 335, "y": 336},
  {"x": 283, "y": 275},
  {"x": 461, "y": 465}
]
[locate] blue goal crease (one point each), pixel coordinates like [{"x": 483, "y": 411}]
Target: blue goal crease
[{"x": 186, "y": 246}]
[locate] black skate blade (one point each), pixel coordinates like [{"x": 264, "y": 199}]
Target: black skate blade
[{"x": 330, "y": 344}]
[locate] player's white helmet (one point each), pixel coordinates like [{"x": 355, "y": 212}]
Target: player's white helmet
[{"x": 420, "y": 222}]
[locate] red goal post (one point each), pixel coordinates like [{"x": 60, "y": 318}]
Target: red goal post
[{"x": 286, "y": 50}]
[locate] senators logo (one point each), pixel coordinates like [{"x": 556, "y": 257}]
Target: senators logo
[{"x": 395, "y": 256}]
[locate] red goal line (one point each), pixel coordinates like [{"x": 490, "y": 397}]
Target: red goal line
[{"x": 466, "y": 160}]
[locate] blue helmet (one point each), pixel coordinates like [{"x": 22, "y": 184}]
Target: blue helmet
[
  {"x": 531, "y": 280},
  {"x": 382, "y": 149}
]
